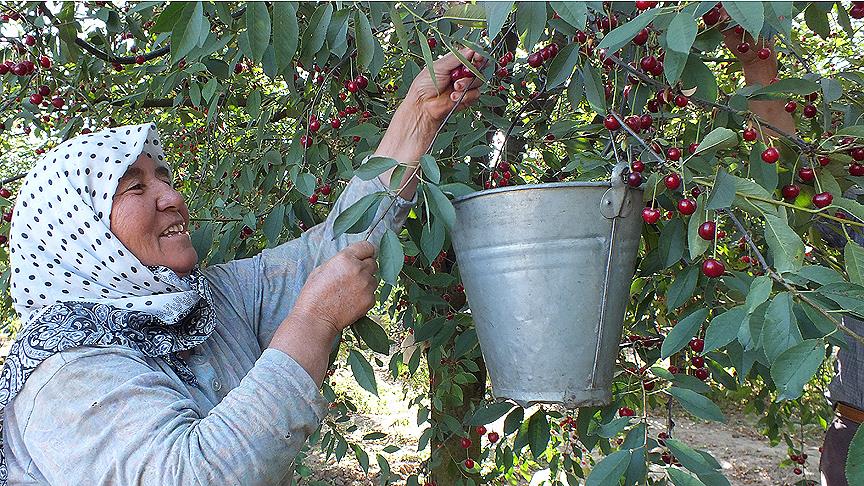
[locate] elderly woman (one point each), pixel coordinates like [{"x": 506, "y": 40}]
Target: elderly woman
[{"x": 134, "y": 366}]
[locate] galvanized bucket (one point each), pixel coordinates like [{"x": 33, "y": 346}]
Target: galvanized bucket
[{"x": 547, "y": 271}]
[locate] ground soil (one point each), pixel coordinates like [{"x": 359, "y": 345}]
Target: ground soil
[{"x": 747, "y": 457}]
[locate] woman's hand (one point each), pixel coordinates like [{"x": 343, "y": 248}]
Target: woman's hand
[
  {"x": 434, "y": 105},
  {"x": 341, "y": 290}
]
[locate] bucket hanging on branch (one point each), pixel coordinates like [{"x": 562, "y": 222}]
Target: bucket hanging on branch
[{"x": 547, "y": 270}]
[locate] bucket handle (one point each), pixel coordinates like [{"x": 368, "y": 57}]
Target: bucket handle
[
  {"x": 611, "y": 205},
  {"x": 612, "y": 202}
]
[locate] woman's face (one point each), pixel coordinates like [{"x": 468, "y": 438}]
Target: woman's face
[{"x": 151, "y": 219}]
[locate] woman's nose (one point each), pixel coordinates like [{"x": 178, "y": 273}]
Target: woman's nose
[{"x": 169, "y": 198}]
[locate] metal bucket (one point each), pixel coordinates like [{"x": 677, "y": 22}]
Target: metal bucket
[{"x": 547, "y": 271}]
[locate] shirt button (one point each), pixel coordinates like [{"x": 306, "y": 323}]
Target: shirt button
[{"x": 216, "y": 385}]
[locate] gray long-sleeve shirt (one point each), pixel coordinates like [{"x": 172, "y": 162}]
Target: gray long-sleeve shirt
[{"x": 114, "y": 416}]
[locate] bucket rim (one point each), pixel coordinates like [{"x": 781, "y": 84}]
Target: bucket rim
[{"x": 547, "y": 185}]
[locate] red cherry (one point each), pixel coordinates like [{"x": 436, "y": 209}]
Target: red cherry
[
  {"x": 5, "y": 193},
  {"x": 686, "y": 206},
  {"x": 651, "y": 215},
  {"x": 643, "y": 5},
  {"x": 305, "y": 141},
  {"x": 743, "y": 47},
  {"x": 431, "y": 42},
  {"x": 45, "y": 62},
  {"x": 692, "y": 147},
  {"x": 313, "y": 199},
  {"x": 702, "y": 373},
  {"x": 634, "y": 122},
  {"x": 673, "y": 369},
  {"x": 35, "y": 98},
  {"x": 648, "y": 385},
  {"x": 857, "y": 11},
  {"x": 481, "y": 430},
  {"x": 57, "y": 102},
  {"x": 465, "y": 442},
  {"x": 626, "y": 412},
  {"x": 238, "y": 68},
  {"x": 695, "y": 192},
  {"x": 698, "y": 361},
  {"x": 325, "y": 190},
  {"x": 681, "y": 101},
  {"x": 823, "y": 160},
  {"x": 314, "y": 125},
  {"x": 856, "y": 170},
  {"x": 469, "y": 464},
  {"x": 634, "y": 179},
  {"x": 750, "y": 134},
  {"x": 648, "y": 62},
  {"x": 493, "y": 437},
  {"x": 770, "y": 155},
  {"x": 352, "y": 86},
  {"x": 810, "y": 111},
  {"x": 672, "y": 181},
  {"x": 535, "y": 60},
  {"x": 713, "y": 268},
  {"x": 29, "y": 40},
  {"x": 44, "y": 90},
  {"x": 7, "y": 216},
  {"x": 711, "y": 17},
  {"x": 361, "y": 81},
  {"x": 822, "y": 199},
  {"x": 637, "y": 166},
  {"x": 640, "y": 39},
  {"x": 611, "y": 123},
  {"x": 857, "y": 154},
  {"x": 673, "y": 153},
  {"x": 335, "y": 123},
  {"x": 707, "y": 230},
  {"x": 790, "y": 107},
  {"x": 763, "y": 53},
  {"x": 797, "y": 470},
  {"x": 790, "y": 191},
  {"x": 806, "y": 174},
  {"x": 646, "y": 120}
]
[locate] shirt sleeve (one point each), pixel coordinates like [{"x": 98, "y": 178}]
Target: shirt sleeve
[
  {"x": 110, "y": 418},
  {"x": 261, "y": 290}
]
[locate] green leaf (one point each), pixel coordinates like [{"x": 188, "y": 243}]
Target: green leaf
[
  {"x": 620, "y": 36},
  {"x": 430, "y": 168},
  {"x": 391, "y": 257},
  {"x": 817, "y": 20},
  {"x": 594, "y": 90},
  {"x": 285, "y": 33},
  {"x": 672, "y": 242},
  {"x": 682, "y": 287},
  {"x": 258, "y": 27},
  {"x": 427, "y": 57},
  {"x": 399, "y": 27},
  {"x": 786, "y": 246},
  {"x": 697, "y": 75},
  {"x": 723, "y": 192},
  {"x": 750, "y": 15},
  {"x": 723, "y": 328},
  {"x": 432, "y": 239},
  {"x": 316, "y": 31},
  {"x": 854, "y": 257},
  {"x": 574, "y": 13},
  {"x": 362, "y": 457},
  {"x": 496, "y": 13},
  {"x": 681, "y": 33},
  {"x": 490, "y": 413},
  {"x": 538, "y": 433},
  {"x": 374, "y": 167},
  {"x": 365, "y": 40},
  {"x": 681, "y": 478},
  {"x": 787, "y": 86},
  {"x": 698, "y": 405},
  {"x": 187, "y": 30},
  {"x": 764, "y": 174},
  {"x": 780, "y": 330},
  {"x": 362, "y": 371},
  {"x": 695, "y": 243},
  {"x": 674, "y": 64},
  {"x": 855, "y": 459},
  {"x": 720, "y": 137},
  {"x": 613, "y": 428},
  {"x": 164, "y": 23},
  {"x": 760, "y": 290},
  {"x": 609, "y": 470},
  {"x": 305, "y": 183},
  {"x": 440, "y": 205},
  {"x": 681, "y": 334},
  {"x": 274, "y": 223},
  {"x": 351, "y": 215},
  {"x": 372, "y": 334},
  {"x": 796, "y": 366},
  {"x": 697, "y": 463},
  {"x": 530, "y": 22},
  {"x": 562, "y": 66}
]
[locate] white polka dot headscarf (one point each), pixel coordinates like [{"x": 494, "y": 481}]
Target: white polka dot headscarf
[{"x": 74, "y": 283}]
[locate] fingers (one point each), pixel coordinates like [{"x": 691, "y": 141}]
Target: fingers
[
  {"x": 465, "y": 84},
  {"x": 470, "y": 98},
  {"x": 361, "y": 250},
  {"x": 450, "y": 61}
]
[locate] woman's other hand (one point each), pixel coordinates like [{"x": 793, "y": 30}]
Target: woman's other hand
[{"x": 436, "y": 105}]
